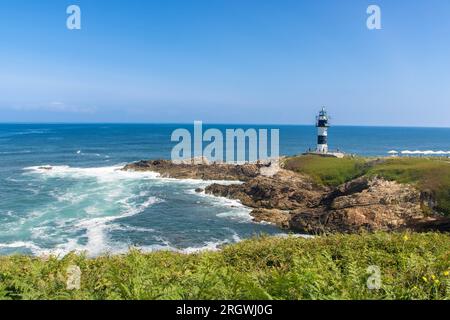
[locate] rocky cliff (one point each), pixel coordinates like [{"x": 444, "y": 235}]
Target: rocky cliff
[
  {"x": 293, "y": 201},
  {"x": 202, "y": 171}
]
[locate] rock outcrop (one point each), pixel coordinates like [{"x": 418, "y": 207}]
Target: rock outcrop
[
  {"x": 284, "y": 191},
  {"x": 214, "y": 171},
  {"x": 293, "y": 201},
  {"x": 363, "y": 204},
  {"x": 281, "y": 218}
]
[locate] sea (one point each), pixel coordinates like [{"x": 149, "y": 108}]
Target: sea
[{"x": 86, "y": 204}]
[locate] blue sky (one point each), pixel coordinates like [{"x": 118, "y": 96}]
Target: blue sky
[{"x": 225, "y": 61}]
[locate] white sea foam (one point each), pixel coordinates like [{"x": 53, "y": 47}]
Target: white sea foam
[
  {"x": 216, "y": 245},
  {"x": 92, "y": 201},
  {"x": 16, "y": 152},
  {"x": 9, "y": 213},
  {"x": 81, "y": 153},
  {"x": 114, "y": 190},
  {"x": 294, "y": 235},
  {"x": 11, "y": 179},
  {"x": 72, "y": 245},
  {"x": 208, "y": 246},
  {"x": 96, "y": 228},
  {"x": 20, "y": 133},
  {"x": 241, "y": 215},
  {"x": 238, "y": 210},
  {"x": 425, "y": 152},
  {"x": 166, "y": 243},
  {"x": 96, "y": 232},
  {"x": 235, "y": 237},
  {"x": 71, "y": 197},
  {"x": 109, "y": 173},
  {"x": 21, "y": 244},
  {"x": 115, "y": 172},
  {"x": 117, "y": 227}
]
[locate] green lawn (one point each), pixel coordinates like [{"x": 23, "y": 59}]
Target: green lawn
[
  {"x": 428, "y": 174},
  {"x": 412, "y": 266}
]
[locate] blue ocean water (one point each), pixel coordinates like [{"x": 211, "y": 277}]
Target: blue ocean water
[{"x": 84, "y": 203}]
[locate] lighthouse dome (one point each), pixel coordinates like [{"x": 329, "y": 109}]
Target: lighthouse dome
[{"x": 322, "y": 120}]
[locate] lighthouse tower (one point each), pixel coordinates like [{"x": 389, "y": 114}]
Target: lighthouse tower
[{"x": 322, "y": 125}]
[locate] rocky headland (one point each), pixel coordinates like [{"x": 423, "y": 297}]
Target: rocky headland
[
  {"x": 204, "y": 171},
  {"x": 295, "y": 201}
]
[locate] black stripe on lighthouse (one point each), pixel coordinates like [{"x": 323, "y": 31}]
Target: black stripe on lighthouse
[
  {"x": 321, "y": 139},
  {"x": 322, "y": 123}
]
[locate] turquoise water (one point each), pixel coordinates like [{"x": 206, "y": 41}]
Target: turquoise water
[{"x": 84, "y": 203}]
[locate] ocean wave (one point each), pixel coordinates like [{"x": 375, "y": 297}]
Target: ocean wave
[
  {"x": 243, "y": 216},
  {"x": 90, "y": 203},
  {"x": 115, "y": 172},
  {"x": 238, "y": 211},
  {"x": 15, "y": 152},
  {"x": 87, "y": 208},
  {"x": 214, "y": 245},
  {"x": 425, "y": 152},
  {"x": 208, "y": 246},
  {"x": 95, "y": 231},
  {"x": 35, "y": 249},
  {"x": 72, "y": 245},
  {"x": 79, "y": 152},
  {"x": 21, "y": 133},
  {"x": 118, "y": 227},
  {"x": 96, "y": 228},
  {"x": 11, "y": 179},
  {"x": 107, "y": 173},
  {"x": 71, "y": 197}
]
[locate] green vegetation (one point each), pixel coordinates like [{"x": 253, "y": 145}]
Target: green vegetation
[
  {"x": 413, "y": 266},
  {"x": 327, "y": 170},
  {"x": 428, "y": 174},
  {"x": 431, "y": 175}
]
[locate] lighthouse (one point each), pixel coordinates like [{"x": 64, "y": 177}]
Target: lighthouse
[{"x": 322, "y": 125}]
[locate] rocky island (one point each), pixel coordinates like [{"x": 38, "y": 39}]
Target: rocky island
[{"x": 320, "y": 195}]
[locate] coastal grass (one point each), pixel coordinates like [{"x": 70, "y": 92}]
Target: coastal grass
[
  {"x": 411, "y": 265},
  {"x": 431, "y": 175},
  {"x": 327, "y": 170}
]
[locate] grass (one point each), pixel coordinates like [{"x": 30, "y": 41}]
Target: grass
[
  {"x": 327, "y": 170},
  {"x": 431, "y": 175},
  {"x": 412, "y": 266},
  {"x": 428, "y": 174}
]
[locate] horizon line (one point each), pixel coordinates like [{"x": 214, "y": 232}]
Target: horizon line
[{"x": 212, "y": 123}]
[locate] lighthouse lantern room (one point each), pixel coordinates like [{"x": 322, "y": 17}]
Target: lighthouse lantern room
[{"x": 322, "y": 124}]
